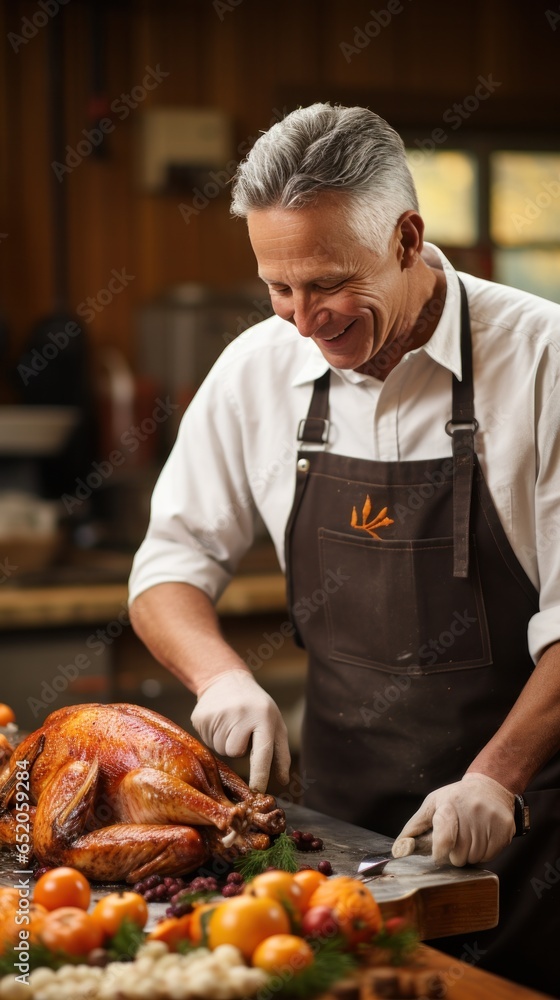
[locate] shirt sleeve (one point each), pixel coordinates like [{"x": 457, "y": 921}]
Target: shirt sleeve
[
  {"x": 544, "y": 627},
  {"x": 202, "y": 512}
]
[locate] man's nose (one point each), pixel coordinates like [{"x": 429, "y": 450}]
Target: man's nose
[{"x": 309, "y": 317}]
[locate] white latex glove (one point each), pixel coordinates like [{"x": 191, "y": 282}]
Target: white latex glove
[
  {"x": 472, "y": 820},
  {"x": 232, "y": 710}
]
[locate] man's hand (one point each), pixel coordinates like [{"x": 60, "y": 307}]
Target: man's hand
[
  {"x": 472, "y": 820},
  {"x": 232, "y": 710}
]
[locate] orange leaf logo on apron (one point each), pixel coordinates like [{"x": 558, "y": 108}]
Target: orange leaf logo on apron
[{"x": 379, "y": 521}]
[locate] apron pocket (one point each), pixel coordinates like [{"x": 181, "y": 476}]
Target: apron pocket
[{"x": 400, "y": 608}]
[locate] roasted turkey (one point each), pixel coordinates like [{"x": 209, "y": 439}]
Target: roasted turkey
[{"x": 120, "y": 793}]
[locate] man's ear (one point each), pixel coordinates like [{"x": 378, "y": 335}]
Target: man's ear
[{"x": 410, "y": 234}]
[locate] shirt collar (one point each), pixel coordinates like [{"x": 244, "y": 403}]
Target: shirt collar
[
  {"x": 444, "y": 346},
  {"x": 314, "y": 365}
]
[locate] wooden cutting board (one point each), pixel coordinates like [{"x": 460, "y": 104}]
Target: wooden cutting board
[
  {"x": 436, "y": 900},
  {"x": 456, "y": 981}
]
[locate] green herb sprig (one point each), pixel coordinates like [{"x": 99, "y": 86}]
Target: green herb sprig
[
  {"x": 400, "y": 945},
  {"x": 281, "y": 854},
  {"x": 331, "y": 963},
  {"x": 205, "y": 927},
  {"x": 39, "y": 955},
  {"x": 126, "y": 942}
]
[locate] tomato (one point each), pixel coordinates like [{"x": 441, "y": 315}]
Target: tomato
[
  {"x": 319, "y": 921},
  {"x": 245, "y": 921},
  {"x": 110, "y": 911},
  {"x": 172, "y": 930},
  {"x": 277, "y": 885},
  {"x": 282, "y": 952},
  {"x": 62, "y": 887},
  {"x": 308, "y": 880},
  {"x": 70, "y": 930},
  {"x": 7, "y": 714}
]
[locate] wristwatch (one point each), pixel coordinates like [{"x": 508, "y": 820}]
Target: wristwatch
[{"x": 521, "y": 817}]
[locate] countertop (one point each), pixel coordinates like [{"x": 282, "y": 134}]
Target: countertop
[
  {"x": 94, "y": 589},
  {"x": 433, "y": 899}
]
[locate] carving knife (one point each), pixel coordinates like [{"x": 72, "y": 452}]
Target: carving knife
[{"x": 373, "y": 865}]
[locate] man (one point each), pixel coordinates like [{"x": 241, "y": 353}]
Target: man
[{"x": 394, "y": 425}]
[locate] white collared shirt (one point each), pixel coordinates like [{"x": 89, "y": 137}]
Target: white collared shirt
[{"x": 235, "y": 453}]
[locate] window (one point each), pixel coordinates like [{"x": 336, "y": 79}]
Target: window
[
  {"x": 447, "y": 186},
  {"x": 494, "y": 210}
]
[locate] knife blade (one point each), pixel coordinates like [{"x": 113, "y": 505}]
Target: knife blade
[{"x": 372, "y": 865}]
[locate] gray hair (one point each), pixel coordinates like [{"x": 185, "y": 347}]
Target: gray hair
[{"x": 324, "y": 148}]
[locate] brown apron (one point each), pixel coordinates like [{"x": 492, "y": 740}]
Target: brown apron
[{"x": 413, "y": 607}]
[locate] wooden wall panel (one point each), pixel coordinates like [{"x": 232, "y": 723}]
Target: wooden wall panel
[
  {"x": 302, "y": 54},
  {"x": 438, "y": 49},
  {"x": 29, "y": 275},
  {"x": 522, "y": 48},
  {"x": 252, "y": 60},
  {"x": 351, "y": 56}
]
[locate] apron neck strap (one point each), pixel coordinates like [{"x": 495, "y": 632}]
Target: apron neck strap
[
  {"x": 462, "y": 428},
  {"x": 313, "y": 431},
  {"x": 463, "y": 392}
]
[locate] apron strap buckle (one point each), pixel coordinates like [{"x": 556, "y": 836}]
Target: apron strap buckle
[
  {"x": 314, "y": 432},
  {"x": 461, "y": 425}
]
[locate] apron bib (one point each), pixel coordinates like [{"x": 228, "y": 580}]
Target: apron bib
[{"x": 413, "y": 608}]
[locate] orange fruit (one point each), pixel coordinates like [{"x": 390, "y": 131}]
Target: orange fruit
[
  {"x": 356, "y": 911},
  {"x": 37, "y": 914},
  {"x": 278, "y": 885},
  {"x": 245, "y": 921},
  {"x": 9, "y": 930},
  {"x": 62, "y": 887},
  {"x": 9, "y": 900},
  {"x": 7, "y": 714},
  {"x": 308, "y": 880},
  {"x": 282, "y": 952},
  {"x": 71, "y": 930},
  {"x": 172, "y": 930},
  {"x": 30, "y": 918},
  {"x": 112, "y": 910}
]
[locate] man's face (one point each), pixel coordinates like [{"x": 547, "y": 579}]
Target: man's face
[{"x": 349, "y": 300}]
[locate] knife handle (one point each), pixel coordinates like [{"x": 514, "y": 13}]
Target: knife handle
[{"x": 405, "y": 846}]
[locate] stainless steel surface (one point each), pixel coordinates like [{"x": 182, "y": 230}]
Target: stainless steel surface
[{"x": 180, "y": 335}]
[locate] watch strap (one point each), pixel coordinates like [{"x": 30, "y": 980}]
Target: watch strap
[{"x": 521, "y": 816}]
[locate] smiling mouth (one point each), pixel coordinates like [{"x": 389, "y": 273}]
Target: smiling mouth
[{"x": 337, "y": 336}]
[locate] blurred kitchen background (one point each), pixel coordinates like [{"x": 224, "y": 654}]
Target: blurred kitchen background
[{"x": 123, "y": 275}]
